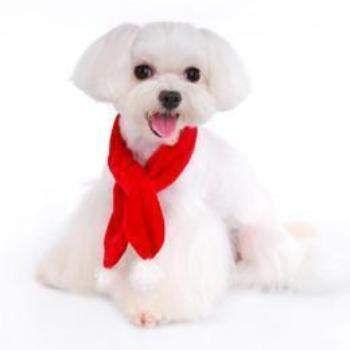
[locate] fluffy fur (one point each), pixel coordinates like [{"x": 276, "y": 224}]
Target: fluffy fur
[{"x": 220, "y": 227}]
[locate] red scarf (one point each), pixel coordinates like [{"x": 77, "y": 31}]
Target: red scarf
[{"x": 137, "y": 216}]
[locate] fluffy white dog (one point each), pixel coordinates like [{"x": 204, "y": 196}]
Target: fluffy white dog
[{"x": 220, "y": 228}]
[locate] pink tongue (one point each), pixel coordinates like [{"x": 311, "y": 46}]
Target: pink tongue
[{"x": 163, "y": 124}]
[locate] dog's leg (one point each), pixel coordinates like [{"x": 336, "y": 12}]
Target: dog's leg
[
  {"x": 272, "y": 257},
  {"x": 189, "y": 275},
  {"x": 268, "y": 255},
  {"x": 71, "y": 263}
]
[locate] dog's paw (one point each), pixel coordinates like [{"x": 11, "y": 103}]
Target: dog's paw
[
  {"x": 259, "y": 277},
  {"x": 57, "y": 272},
  {"x": 47, "y": 276},
  {"x": 147, "y": 319}
]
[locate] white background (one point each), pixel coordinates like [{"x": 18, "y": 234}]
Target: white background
[{"x": 294, "y": 129}]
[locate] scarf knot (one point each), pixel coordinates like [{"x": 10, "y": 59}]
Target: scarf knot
[{"x": 137, "y": 217}]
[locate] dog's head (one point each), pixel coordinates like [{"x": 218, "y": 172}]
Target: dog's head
[{"x": 162, "y": 76}]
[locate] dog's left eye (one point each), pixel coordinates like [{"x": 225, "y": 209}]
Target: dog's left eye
[
  {"x": 192, "y": 74},
  {"x": 143, "y": 71}
]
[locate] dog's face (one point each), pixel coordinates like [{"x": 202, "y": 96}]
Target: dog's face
[{"x": 162, "y": 77}]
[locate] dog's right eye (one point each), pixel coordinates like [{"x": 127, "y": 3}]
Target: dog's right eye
[{"x": 143, "y": 71}]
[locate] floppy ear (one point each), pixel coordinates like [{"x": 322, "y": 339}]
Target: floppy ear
[
  {"x": 104, "y": 68},
  {"x": 228, "y": 81}
]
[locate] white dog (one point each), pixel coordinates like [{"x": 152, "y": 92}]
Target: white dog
[{"x": 220, "y": 228}]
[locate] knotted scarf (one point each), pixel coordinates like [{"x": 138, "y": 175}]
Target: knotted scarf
[{"x": 137, "y": 217}]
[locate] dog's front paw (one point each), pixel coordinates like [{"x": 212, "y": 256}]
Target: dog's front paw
[{"x": 147, "y": 319}]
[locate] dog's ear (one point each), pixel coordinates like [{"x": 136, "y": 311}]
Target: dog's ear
[
  {"x": 104, "y": 68},
  {"x": 228, "y": 81}
]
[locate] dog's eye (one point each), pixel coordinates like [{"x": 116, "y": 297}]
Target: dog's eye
[
  {"x": 192, "y": 74},
  {"x": 143, "y": 71}
]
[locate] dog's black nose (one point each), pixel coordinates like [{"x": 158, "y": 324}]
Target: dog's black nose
[{"x": 169, "y": 99}]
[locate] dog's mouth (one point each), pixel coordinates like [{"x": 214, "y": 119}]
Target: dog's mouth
[{"x": 162, "y": 124}]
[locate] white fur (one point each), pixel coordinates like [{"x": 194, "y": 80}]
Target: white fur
[{"x": 213, "y": 212}]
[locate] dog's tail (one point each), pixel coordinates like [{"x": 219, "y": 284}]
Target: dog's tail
[
  {"x": 327, "y": 254},
  {"x": 300, "y": 229}
]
